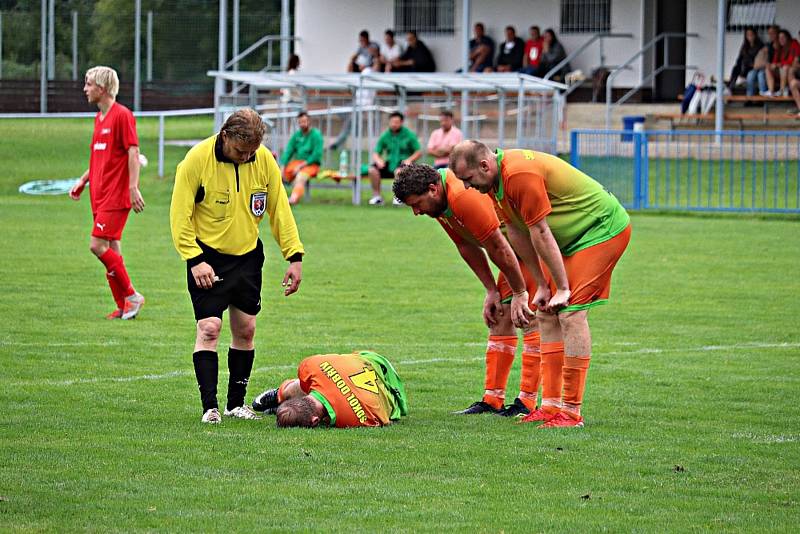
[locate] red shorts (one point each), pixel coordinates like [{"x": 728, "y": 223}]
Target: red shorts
[
  {"x": 292, "y": 168},
  {"x": 505, "y": 289},
  {"x": 589, "y": 272},
  {"x": 109, "y": 224}
]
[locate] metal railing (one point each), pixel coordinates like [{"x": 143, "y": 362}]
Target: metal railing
[
  {"x": 695, "y": 170},
  {"x": 578, "y": 51},
  {"x": 665, "y": 37}
]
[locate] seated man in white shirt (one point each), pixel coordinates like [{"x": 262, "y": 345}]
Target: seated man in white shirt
[{"x": 390, "y": 50}]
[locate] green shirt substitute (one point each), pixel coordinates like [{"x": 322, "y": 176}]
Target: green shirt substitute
[
  {"x": 306, "y": 147},
  {"x": 398, "y": 146}
]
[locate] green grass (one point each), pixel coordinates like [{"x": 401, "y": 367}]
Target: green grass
[{"x": 695, "y": 365}]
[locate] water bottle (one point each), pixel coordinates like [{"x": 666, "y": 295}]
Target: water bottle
[{"x": 344, "y": 162}]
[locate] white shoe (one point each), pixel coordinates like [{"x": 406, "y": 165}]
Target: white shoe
[
  {"x": 241, "y": 412},
  {"x": 376, "y": 201},
  {"x": 785, "y": 91},
  {"x": 765, "y": 93},
  {"x": 397, "y": 202},
  {"x": 132, "y": 306},
  {"x": 212, "y": 417}
]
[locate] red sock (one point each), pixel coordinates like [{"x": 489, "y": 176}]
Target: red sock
[
  {"x": 530, "y": 374},
  {"x": 499, "y": 358},
  {"x": 115, "y": 268},
  {"x": 552, "y": 380},
  {"x": 119, "y": 298}
]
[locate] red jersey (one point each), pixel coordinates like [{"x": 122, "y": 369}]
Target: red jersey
[
  {"x": 533, "y": 51},
  {"x": 787, "y": 55},
  {"x": 108, "y": 165},
  {"x": 470, "y": 215}
]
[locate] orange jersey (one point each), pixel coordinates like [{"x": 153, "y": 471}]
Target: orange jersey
[
  {"x": 349, "y": 386},
  {"x": 579, "y": 211},
  {"x": 470, "y": 216}
]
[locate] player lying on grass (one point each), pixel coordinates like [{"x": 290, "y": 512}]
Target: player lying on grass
[
  {"x": 338, "y": 390},
  {"x": 560, "y": 218},
  {"x": 470, "y": 220}
]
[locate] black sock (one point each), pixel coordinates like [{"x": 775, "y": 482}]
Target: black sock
[
  {"x": 240, "y": 363},
  {"x": 206, "y": 367}
]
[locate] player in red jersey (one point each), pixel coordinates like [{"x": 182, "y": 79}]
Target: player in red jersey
[{"x": 114, "y": 176}]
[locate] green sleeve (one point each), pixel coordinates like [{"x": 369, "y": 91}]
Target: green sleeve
[
  {"x": 381, "y": 146},
  {"x": 316, "y": 154},
  {"x": 286, "y": 157}
]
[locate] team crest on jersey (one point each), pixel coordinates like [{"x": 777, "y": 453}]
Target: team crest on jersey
[{"x": 258, "y": 203}]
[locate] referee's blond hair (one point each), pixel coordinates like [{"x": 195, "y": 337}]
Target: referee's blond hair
[
  {"x": 105, "y": 77},
  {"x": 246, "y": 125}
]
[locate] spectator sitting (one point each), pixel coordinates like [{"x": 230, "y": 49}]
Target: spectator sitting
[
  {"x": 366, "y": 54},
  {"x": 402, "y": 147},
  {"x": 552, "y": 54},
  {"x": 781, "y": 63},
  {"x": 509, "y": 58},
  {"x": 533, "y": 50},
  {"x": 794, "y": 83},
  {"x": 390, "y": 51},
  {"x": 762, "y": 62},
  {"x": 287, "y": 95},
  {"x": 747, "y": 58},
  {"x": 481, "y": 50},
  {"x": 416, "y": 58},
  {"x": 443, "y": 139},
  {"x": 302, "y": 157}
]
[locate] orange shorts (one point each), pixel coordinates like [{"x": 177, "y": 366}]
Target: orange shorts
[
  {"x": 589, "y": 272},
  {"x": 505, "y": 289},
  {"x": 290, "y": 171},
  {"x": 109, "y": 224}
]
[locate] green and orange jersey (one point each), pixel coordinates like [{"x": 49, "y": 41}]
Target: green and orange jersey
[
  {"x": 470, "y": 216},
  {"x": 579, "y": 211},
  {"x": 359, "y": 389}
]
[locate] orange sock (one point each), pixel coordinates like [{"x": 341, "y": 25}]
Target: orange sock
[
  {"x": 500, "y": 352},
  {"x": 530, "y": 375},
  {"x": 575, "y": 369},
  {"x": 552, "y": 380}
]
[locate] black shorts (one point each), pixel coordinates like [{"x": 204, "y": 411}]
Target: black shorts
[
  {"x": 384, "y": 171},
  {"x": 240, "y": 285}
]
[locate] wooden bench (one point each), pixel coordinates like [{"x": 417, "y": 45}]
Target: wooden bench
[{"x": 760, "y": 118}]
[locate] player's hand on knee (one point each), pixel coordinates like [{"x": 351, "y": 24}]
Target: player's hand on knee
[
  {"x": 203, "y": 275},
  {"x": 560, "y": 300},
  {"x": 541, "y": 299},
  {"x": 492, "y": 308},
  {"x": 521, "y": 314}
]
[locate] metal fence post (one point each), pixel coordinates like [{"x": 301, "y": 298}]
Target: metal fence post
[
  {"x": 637, "y": 169},
  {"x": 137, "y": 57},
  {"x": 43, "y": 61},
  {"x": 51, "y": 41},
  {"x": 161, "y": 146},
  {"x": 1, "y": 45},
  {"x": 644, "y": 188},
  {"x": 574, "y": 149},
  {"x": 149, "y": 46},
  {"x": 74, "y": 45}
]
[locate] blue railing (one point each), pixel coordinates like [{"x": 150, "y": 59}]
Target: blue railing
[{"x": 694, "y": 170}]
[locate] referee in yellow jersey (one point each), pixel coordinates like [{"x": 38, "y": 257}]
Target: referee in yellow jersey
[{"x": 223, "y": 188}]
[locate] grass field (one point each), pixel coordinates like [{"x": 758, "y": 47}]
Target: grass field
[{"x": 692, "y": 420}]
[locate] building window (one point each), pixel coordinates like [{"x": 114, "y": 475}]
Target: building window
[
  {"x": 435, "y": 17},
  {"x": 585, "y": 16},
  {"x": 757, "y": 13}
]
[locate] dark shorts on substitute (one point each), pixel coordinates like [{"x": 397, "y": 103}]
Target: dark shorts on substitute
[
  {"x": 384, "y": 171},
  {"x": 240, "y": 284}
]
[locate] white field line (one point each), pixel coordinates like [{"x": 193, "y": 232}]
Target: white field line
[{"x": 188, "y": 372}]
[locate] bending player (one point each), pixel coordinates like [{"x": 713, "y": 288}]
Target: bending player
[
  {"x": 470, "y": 220},
  {"x": 114, "y": 176},
  {"x": 559, "y": 215},
  {"x": 338, "y": 390}
]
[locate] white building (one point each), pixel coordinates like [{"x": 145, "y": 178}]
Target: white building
[{"x": 328, "y": 30}]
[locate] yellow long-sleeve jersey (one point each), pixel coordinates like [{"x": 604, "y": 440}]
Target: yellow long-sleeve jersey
[{"x": 221, "y": 204}]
